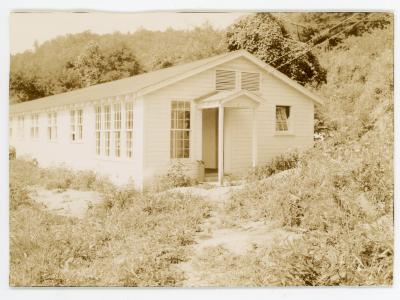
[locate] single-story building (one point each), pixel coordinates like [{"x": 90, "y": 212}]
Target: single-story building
[{"x": 224, "y": 114}]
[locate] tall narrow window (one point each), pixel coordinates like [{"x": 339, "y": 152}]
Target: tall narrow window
[
  {"x": 282, "y": 118},
  {"x": 76, "y": 124},
  {"x": 129, "y": 129},
  {"x": 21, "y": 128},
  {"x": 34, "y": 126},
  {"x": 52, "y": 126},
  {"x": 107, "y": 129},
  {"x": 117, "y": 129},
  {"x": 98, "y": 130},
  {"x": 250, "y": 81},
  {"x": 225, "y": 80},
  {"x": 80, "y": 124},
  {"x": 180, "y": 129}
]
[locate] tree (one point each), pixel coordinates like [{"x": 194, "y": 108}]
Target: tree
[{"x": 264, "y": 36}]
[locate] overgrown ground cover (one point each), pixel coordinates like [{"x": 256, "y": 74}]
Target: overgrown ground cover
[
  {"x": 130, "y": 239},
  {"x": 340, "y": 196}
]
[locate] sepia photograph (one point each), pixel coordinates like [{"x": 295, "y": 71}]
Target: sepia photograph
[{"x": 201, "y": 149}]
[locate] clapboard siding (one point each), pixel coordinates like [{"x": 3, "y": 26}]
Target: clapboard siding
[
  {"x": 78, "y": 155},
  {"x": 238, "y": 139}
]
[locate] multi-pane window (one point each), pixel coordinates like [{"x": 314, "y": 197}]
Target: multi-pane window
[
  {"x": 76, "y": 124},
  {"x": 129, "y": 128},
  {"x": 98, "y": 130},
  {"x": 180, "y": 129},
  {"x": 107, "y": 129},
  {"x": 250, "y": 81},
  {"x": 21, "y": 129},
  {"x": 117, "y": 129},
  {"x": 114, "y": 130},
  {"x": 52, "y": 126},
  {"x": 225, "y": 80},
  {"x": 35, "y": 126},
  {"x": 282, "y": 118}
]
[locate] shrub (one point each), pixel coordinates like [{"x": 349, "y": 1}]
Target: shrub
[
  {"x": 283, "y": 162},
  {"x": 12, "y": 153},
  {"x": 176, "y": 176}
]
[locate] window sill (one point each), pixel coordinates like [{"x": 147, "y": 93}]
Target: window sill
[
  {"x": 284, "y": 133},
  {"x": 114, "y": 159}
]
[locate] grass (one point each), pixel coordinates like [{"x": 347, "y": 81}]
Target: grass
[
  {"x": 129, "y": 239},
  {"x": 340, "y": 194}
]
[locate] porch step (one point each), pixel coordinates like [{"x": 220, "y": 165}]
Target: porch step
[{"x": 211, "y": 177}]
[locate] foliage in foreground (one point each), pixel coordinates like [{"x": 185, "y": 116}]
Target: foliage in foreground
[
  {"x": 340, "y": 196},
  {"x": 130, "y": 239}
]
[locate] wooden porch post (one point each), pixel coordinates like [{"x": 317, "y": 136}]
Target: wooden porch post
[
  {"x": 254, "y": 139},
  {"x": 220, "y": 144}
]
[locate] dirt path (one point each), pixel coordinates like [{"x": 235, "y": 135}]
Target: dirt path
[
  {"x": 238, "y": 240},
  {"x": 71, "y": 203}
]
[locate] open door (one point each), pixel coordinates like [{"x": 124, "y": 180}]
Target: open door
[{"x": 210, "y": 139}]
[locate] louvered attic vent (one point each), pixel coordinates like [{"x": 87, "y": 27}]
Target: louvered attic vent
[
  {"x": 225, "y": 80},
  {"x": 250, "y": 81}
]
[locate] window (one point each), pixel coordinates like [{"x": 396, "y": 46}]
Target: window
[
  {"x": 34, "y": 126},
  {"x": 250, "y": 81},
  {"x": 52, "y": 126},
  {"x": 180, "y": 129},
  {"x": 282, "y": 118},
  {"x": 129, "y": 128},
  {"x": 98, "y": 130},
  {"x": 107, "y": 129},
  {"x": 76, "y": 121},
  {"x": 117, "y": 129},
  {"x": 225, "y": 80},
  {"x": 21, "y": 127}
]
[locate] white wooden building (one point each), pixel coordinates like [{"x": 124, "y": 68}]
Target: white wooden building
[{"x": 227, "y": 113}]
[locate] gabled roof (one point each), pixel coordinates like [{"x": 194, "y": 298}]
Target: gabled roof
[
  {"x": 224, "y": 97},
  {"x": 148, "y": 82}
]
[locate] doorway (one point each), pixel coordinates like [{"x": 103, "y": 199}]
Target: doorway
[{"x": 210, "y": 140}]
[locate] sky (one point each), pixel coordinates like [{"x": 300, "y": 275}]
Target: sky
[{"x": 28, "y": 27}]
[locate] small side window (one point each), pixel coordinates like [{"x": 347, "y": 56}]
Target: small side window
[{"x": 282, "y": 118}]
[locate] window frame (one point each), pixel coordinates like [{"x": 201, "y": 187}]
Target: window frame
[
  {"x": 76, "y": 125},
  {"x": 34, "y": 128},
  {"x": 52, "y": 126},
  {"x": 289, "y": 131},
  {"x": 106, "y": 130},
  {"x": 128, "y": 129},
  {"x": 189, "y": 130}
]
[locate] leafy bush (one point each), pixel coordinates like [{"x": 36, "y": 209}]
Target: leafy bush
[
  {"x": 341, "y": 196},
  {"x": 176, "y": 176},
  {"x": 283, "y": 162}
]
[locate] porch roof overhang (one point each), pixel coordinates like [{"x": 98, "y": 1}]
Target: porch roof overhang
[{"x": 238, "y": 99}]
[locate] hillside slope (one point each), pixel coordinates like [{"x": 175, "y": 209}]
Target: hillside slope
[{"x": 341, "y": 195}]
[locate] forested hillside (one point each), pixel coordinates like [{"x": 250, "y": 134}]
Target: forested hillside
[{"x": 79, "y": 60}]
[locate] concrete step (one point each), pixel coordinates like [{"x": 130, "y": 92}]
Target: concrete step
[{"x": 211, "y": 177}]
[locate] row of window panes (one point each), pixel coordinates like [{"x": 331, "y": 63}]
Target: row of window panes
[{"x": 109, "y": 133}]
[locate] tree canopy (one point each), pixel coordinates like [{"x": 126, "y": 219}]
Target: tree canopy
[{"x": 267, "y": 38}]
